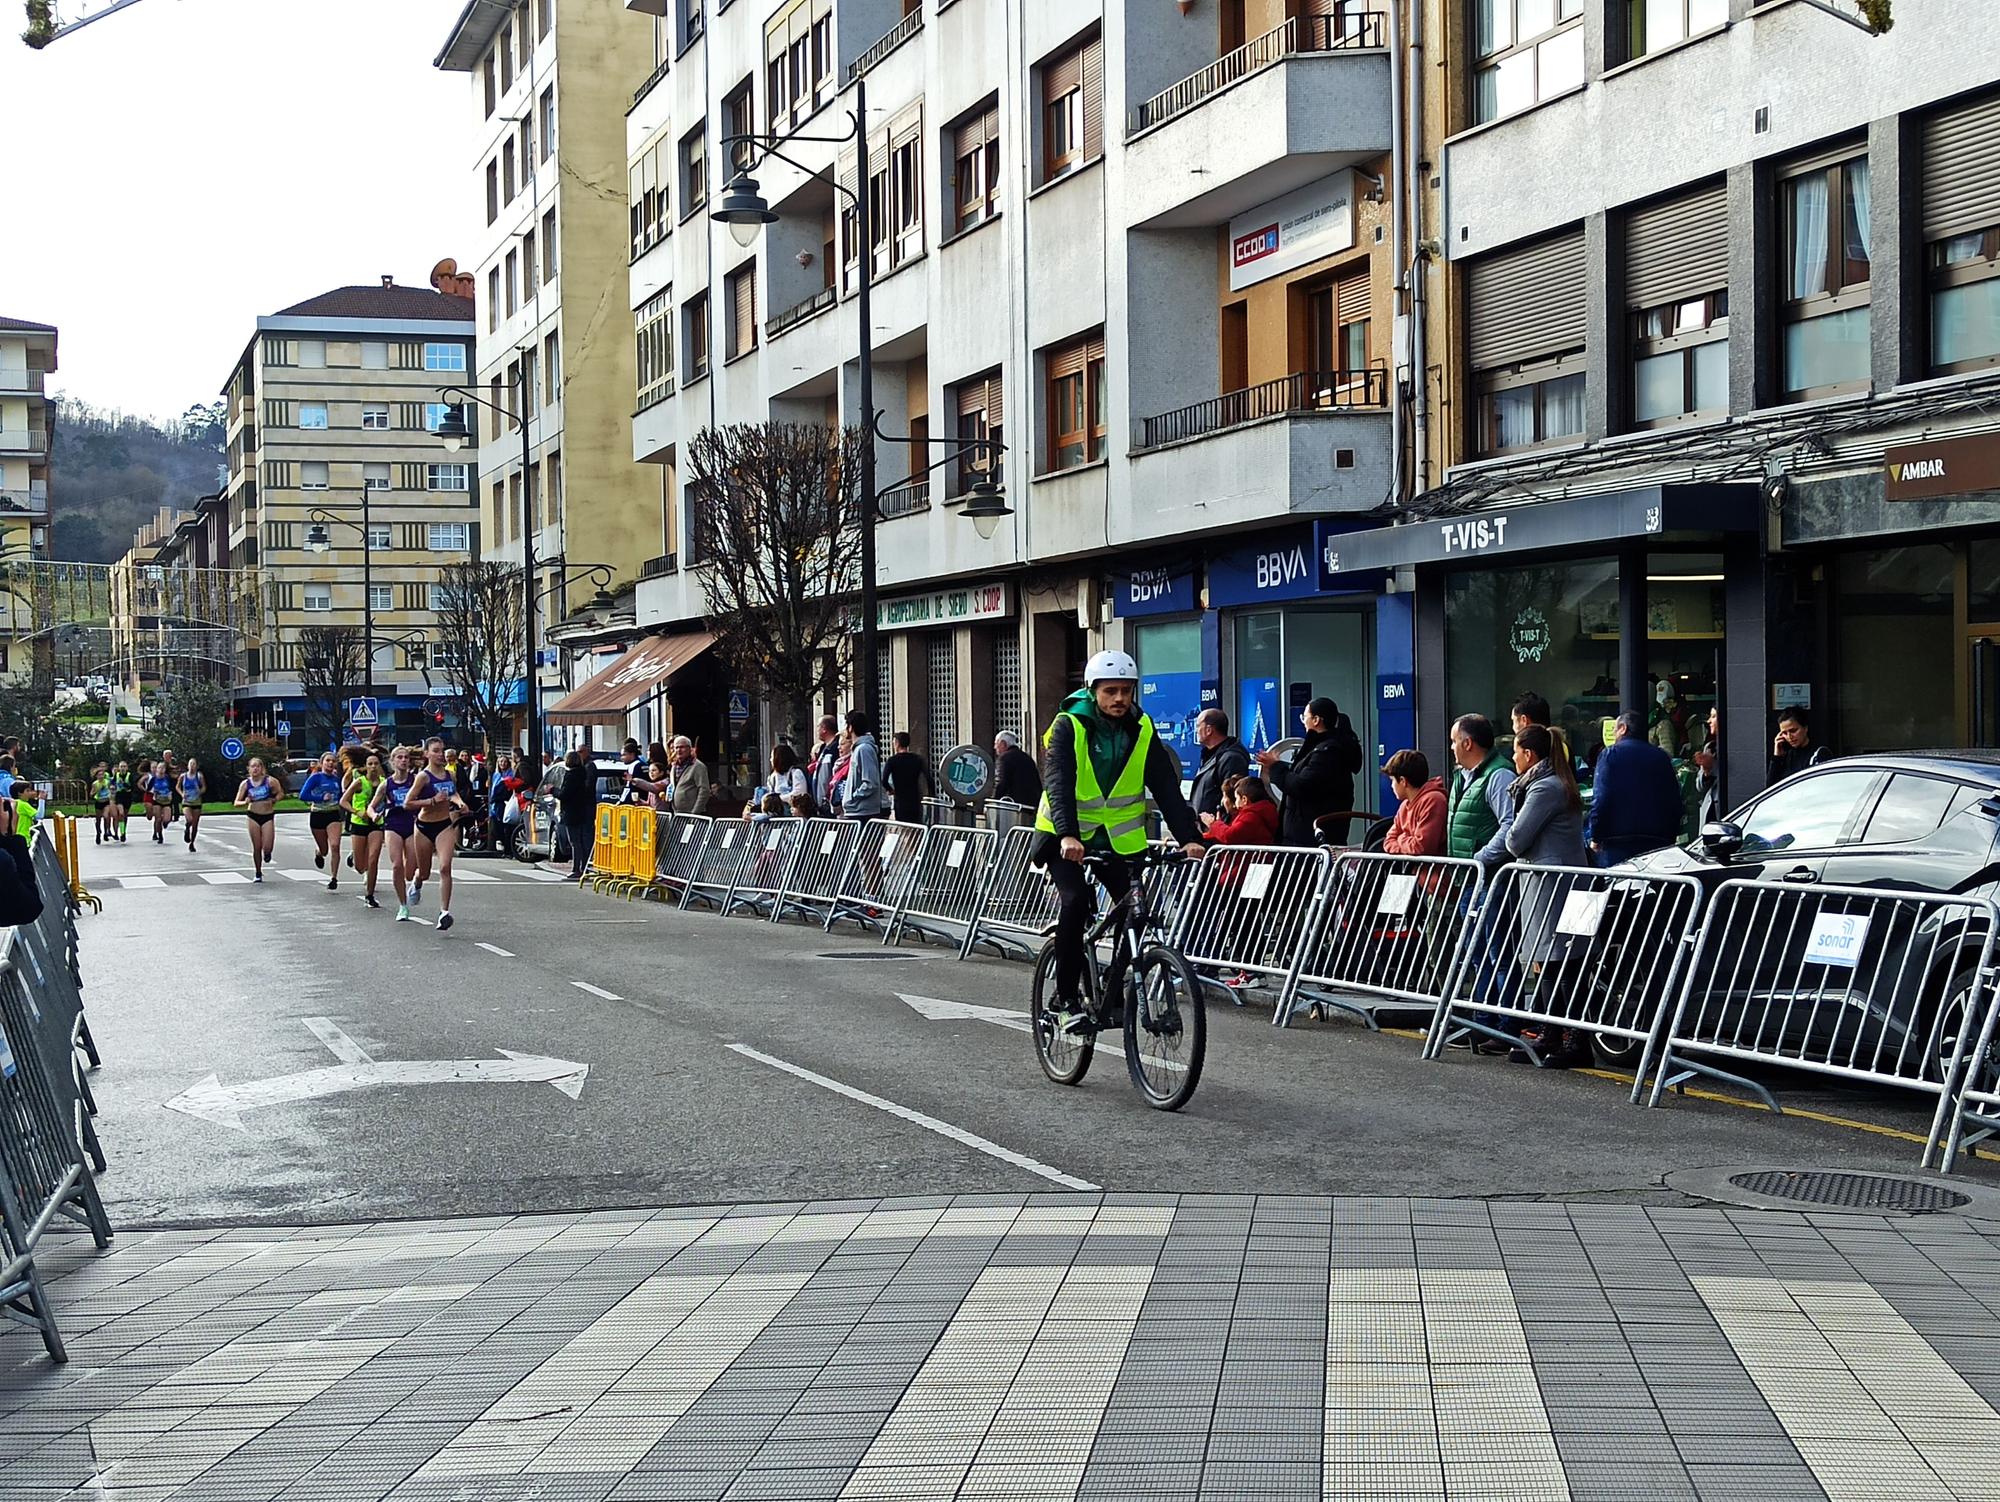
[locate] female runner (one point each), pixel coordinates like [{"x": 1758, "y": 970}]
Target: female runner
[
  {"x": 122, "y": 795},
  {"x": 435, "y": 797},
  {"x": 100, "y": 798},
  {"x": 399, "y": 825},
  {"x": 364, "y": 833},
  {"x": 193, "y": 787},
  {"x": 161, "y": 806},
  {"x": 258, "y": 796},
  {"x": 321, "y": 793}
]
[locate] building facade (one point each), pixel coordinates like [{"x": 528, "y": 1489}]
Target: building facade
[
  {"x": 27, "y": 424},
  {"x": 331, "y": 449}
]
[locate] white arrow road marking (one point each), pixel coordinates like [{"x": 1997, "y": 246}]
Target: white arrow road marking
[
  {"x": 505, "y": 954},
  {"x": 940, "y": 1010},
  {"x": 344, "y": 1048},
  {"x": 918, "y": 1118}
]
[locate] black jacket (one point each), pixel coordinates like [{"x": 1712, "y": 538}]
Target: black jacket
[
  {"x": 908, "y": 778},
  {"x": 1217, "y": 766},
  {"x": 1316, "y": 783},
  {"x": 577, "y": 797},
  {"x": 1797, "y": 761},
  {"x": 1016, "y": 777},
  {"x": 1163, "y": 782},
  {"x": 20, "y": 898}
]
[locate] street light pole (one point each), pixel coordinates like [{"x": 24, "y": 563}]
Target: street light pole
[
  {"x": 865, "y": 669},
  {"x": 531, "y": 696},
  {"x": 367, "y": 598}
]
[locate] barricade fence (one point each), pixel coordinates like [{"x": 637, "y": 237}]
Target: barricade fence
[
  {"x": 1020, "y": 906},
  {"x": 715, "y": 868},
  {"x": 1974, "y": 1115},
  {"x": 871, "y": 890},
  {"x": 825, "y": 850},
  {"x": 678, "y": 840},
  {"x": 1248, "y": 907},
  {"x": 1388, "y": 936},
  {"x": 943, "y": 898},
  {"x": 760, "y": 876}
]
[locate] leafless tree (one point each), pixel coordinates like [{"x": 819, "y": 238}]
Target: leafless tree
[
  {"x": 333, "y": 668},
  {"x": 479, "y": 619},
  {"x": 776, "y": 532}
]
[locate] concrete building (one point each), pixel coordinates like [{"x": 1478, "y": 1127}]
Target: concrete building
[
  {"x": 550, "y": 80},
  {"x": 1152, "y": 249},
  {"x": 177, "y": 610},
  {"x": 331, "y": 412},
  {"x": 27, "y": 421}
]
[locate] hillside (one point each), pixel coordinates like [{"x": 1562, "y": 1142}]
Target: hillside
[{"x": 109, "y": 473}]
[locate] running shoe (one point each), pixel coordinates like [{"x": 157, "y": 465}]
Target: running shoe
[
  {"x": 369, "y": 898},
  {"x": 444, "y": 920},
  {"x": 333, "y": 883},
  {"x": 258, "y": 878},
  {"x": 320, "y": 860},
  {"x": 403, "y": 914},
  {"x": 416, "y": 893}
]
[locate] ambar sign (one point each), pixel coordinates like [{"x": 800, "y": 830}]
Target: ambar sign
[{"x": 1947, "y": 467}]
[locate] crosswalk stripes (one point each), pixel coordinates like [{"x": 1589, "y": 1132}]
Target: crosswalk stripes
[
  {"x": 223, "y": 878},
  {"x": 506, "y": 875},
  {"x": 291, "y": 873},
  {"x": 140, "y": 883}
]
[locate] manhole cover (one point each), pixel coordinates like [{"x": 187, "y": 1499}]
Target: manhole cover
[
  {"x": 867, "y": 954},
  {"x": 1852, "y": 1191}
]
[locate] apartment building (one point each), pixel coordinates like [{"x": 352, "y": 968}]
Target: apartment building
[
  {"x": 549, "y": 82},
  {"x": 1152, "y": 249},
  {"x": 27, "y": 419},
  {"x": 332, "y": 409}
]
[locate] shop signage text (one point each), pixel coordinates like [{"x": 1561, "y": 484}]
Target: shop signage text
[
  {"x": 945, "y": 607},
  {"x": 1154, "y": 591},
  {"x": 1302, "y": 226},
  {"x": 1947, "y": 467}
]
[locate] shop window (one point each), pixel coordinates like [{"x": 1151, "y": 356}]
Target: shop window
[
  {"x": 1965, "y": 301},
  {"x": 1525, "y": 51},
  {"x": 1549, "y": 628},
  {"x": 1527, "y": 405},
  {"x": 1652, "y": 25},
  {"x": 1680, "y": 361},
  {"x": 1685, "y": 614},
  {"x": 1077, "y": 424},
  {"x": 1826, "y": 266},
  {"x": 1895, "y": 636},
  {"x": 1072, "y": 90}
]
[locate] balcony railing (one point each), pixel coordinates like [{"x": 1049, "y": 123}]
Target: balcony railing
[
  {"x": 906, "y": 499},
  {"x": 798, "y": 313},
  {"x": 900, "y": 33},
  {"x": 652, "y": 82},
  {"x": 654, "y": 394},
  {"x": 1351, "y": 30},
  {"x": 1307, "y": 391},
  {"x": 660, "y": 567},
  {"x": 24, "y": 441},
  {"x": 22, "y": 380},
  {"x": 26, "y": 502}
]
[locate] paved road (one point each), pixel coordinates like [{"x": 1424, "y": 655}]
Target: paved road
[{"x": 731, "y": 1060}]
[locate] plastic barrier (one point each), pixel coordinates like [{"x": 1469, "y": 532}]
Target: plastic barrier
[
  {"x": 1860, "y": 983},
  {"x": 825, "y": 850},
  {"x": 603, "y": 853},
  {"x": 945, "y": 893},
  {"x": 1247, "y": 909},
  {"x": 642, "y": 865},
  {"x": 715, "y": 869},
  {"x": 679, "y": 842},
  {"x": 1020, "y": 904},
  {"x": 1388, "y": 937},
  {"x": 885, "y": 858},
  {"x": 761, "y": 875}
]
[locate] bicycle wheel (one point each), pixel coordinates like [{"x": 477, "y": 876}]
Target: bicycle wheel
[
  {"x": 1166, "y": 1028},
  {"x": 1065, "y": 1057}
]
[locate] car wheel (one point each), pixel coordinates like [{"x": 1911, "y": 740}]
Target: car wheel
[
  {"x": 1614, "y": 1052},
  {"x": 1953, "y": 1016}
]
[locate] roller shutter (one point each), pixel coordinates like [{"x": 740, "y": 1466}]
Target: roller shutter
[
  {"x": 1526, "y": 302},
  {"x": 1962, "y": 169},
  {"x": 1677, "y": 249}
]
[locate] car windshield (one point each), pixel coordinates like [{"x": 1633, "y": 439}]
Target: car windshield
[{"x": 1804, "y": 813}]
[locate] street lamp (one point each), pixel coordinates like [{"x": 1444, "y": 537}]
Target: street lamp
[
  {"x": 601, "y": 604},
  {"x": 985, "y": 503},
  {"x": 319, "y": 541}
]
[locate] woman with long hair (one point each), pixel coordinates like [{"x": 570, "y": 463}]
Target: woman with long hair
[
  {"x": 321, "y": 793},
  {"x": 257, "y": 795},
  {"x": 160, "y": 801},
  {"x": 435, "y": 797},
  {"x": 364, "y": 831},
  {"x": 122, "y": 794},
  {"x": 100, "y": 798},
  {"x": 193, "y": 789},
  {"x": 1547, "y": 831},
  {"x": 387, "y": 807}
]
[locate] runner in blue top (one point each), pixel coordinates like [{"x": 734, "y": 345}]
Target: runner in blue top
[
  {"x": 257, "y": 795},
  {"x": 435, "y": 797},
  {"x": 321, "y": 792},
  {"x": 193, "y": 788},
  {"x": 387, "y": 807},
  {"x": 161, "y": 786}
]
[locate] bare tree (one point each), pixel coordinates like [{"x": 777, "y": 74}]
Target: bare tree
[
  {"x": 776, "y": 533},
  {"x": 479, "y": 618},
  {"x": 333, "y": 668}
]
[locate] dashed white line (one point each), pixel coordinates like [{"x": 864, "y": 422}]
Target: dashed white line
[
  {"x": 917, "y": 1118},
  {"x": 597, "y": 991},
  {"x": 505, "y": 954}
]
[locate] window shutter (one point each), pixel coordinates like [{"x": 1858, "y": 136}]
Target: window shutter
[
  {"x": 1069, "y": 360},
  {"x": 1062, "y": 74},
  {"x": 1962, "y": 169},
  {"x": 1350, "y": 298},
  {"x": 994, "y": 406},
  {"x": 743, "y": 309},
  {"x": 1677, "y": 249},
  {"x": 1093, "y": 98},
  {"x": 1527, "y": 301}
]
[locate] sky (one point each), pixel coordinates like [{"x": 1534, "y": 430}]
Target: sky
[{"x": 177, "y": 169}]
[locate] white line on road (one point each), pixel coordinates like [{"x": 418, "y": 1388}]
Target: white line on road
[
  {"x": 597, "y": 991},
  {"x": 505, "y": 954},
  {"x": 132, "y": 883},
  {"x": 291, "y": 875},
  {"x": 918, "y": 1118},
  {"x": 344, "y": 1048},
  {"x": 224, "y": 878},
  {"x": 540, "y": 873}
]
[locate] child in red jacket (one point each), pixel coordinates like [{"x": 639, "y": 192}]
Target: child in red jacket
[
  {"x": 1253, "y": 816},
  {"x": 1419, "y": 825}
]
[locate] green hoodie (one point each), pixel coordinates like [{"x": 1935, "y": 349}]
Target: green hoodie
[{"x": 1110, "y": 741}]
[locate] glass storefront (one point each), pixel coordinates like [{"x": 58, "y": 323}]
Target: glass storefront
[
  {"x": 1285, "y": 658},
  {"x": 1895, "y": 623},
  {"x": 1169, "y": 655}
]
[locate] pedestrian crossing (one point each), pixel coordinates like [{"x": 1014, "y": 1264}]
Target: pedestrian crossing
[{"x": 498, "y": 873}]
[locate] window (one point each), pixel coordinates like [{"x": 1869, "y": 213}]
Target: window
[
  {"x": 1077, "y": 425},
  {"x": 445, "y": 477},
  {"x": 694, "y": 327},
  {"x": 374, "y": 477},
  {"x": 513, "y": 282},
  {"x": 492, "y": 191},
  {"x": 1653, "y": 24},
  {"x": 906, "y": 191},
  {"x": 1534, "y": 403},
  {"x": 980, "y": 415},
  {"x": 375, "y": 417},
  {"x": 691, "y": 21},
  {"x": 529, "y": 265},
  {"x": 551, "y": 370},
  {"x": 548, "y": 121},
  {"x": 493, "y": 299},
  {"x": 1965, "y": 301},
  {"x": 440, "y": 596},
  {"x": 374, "y": 354},
  {"x": 694, "y": 170},
  {"x": 1910, "y": 808},
  {"x": 742, "y": 331},
  {"x": 312, "y": 354},
  {"x": 1524, "y": 343},
  {"x": 549, "y": 246},
  {"x": 1337, "y": 328},
  {"x": 433, "y": 415},
  {"x": 1680, "y": 360},
  {"x": 656, "y": 349},
  {"x": 646, "y": 184},
  {"x": 975, "y": 179},
  {"x": 1824, "y": 212},
  {"x": 507, "y": 188},
  {"x": 445, "y": 654},
  {"x": 1806, "y": 812},
  {"x": 313, "y": 475},
  {"x": 506, "y": 53},
  {"x": 531, "y": 384},
  {"x": 450, "y": 537},
  {"x": 798, "y": 63},
  {"x": 1961, "y": 230},
  {"x": 527, "y": 153},
  {"x": 381, "y": 597},
  {"x": 492, "y": 89},
  {"x": 544, "y": 12},
  {"x": 444, "y": 357},
  {"x": 319, "y": 597},
  {"x": 1525, "y": 51},
  {"x": 312, "y": 414},
  {"x": 739, "y": 118},
  {"x": 1073, "y": 107}
]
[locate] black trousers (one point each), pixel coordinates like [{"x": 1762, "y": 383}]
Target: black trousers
[{"x": 1078, "y": 901}]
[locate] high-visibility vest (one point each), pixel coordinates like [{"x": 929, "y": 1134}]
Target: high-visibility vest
[{"x": 1122, "y": 813}]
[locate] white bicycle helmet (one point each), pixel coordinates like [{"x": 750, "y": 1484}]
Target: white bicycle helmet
[{"x": 1108, "y": 667}]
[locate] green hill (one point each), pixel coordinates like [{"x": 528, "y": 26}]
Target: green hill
[{"x": 110, "y": 472}]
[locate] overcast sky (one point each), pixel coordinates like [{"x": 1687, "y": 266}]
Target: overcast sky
[{"x": 179, "y": 168}]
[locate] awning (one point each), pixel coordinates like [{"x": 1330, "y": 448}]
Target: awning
[{"x": 633, "y": 678}]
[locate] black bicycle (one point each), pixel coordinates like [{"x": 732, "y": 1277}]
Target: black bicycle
[{"x": 1148, "y": 986}]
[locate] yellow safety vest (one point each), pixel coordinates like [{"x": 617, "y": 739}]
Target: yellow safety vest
[{"x": 1121, "y": 815}]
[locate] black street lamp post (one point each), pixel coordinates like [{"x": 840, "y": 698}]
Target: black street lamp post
[{"x": 319, "y": 541}]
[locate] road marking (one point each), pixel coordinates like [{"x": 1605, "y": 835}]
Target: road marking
[
  {"x": 459, "y": 873},
  {"x": 505, "y": 954},
  {"x": 597, "y": 991},
  {"x": 540, "y": 873},
  {"x": 344, "y": 1048},
  {"x": 224, "y": 878},
  {"x": 137, "y": 883},
  {"x": 917, "y": 1118},
  {"x": 939, "y": 1010},
  {"x": 290, "y": 875},
  {"x": 225, "y": 1104}
]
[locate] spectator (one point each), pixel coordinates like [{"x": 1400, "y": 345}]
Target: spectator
[
  {"x": 862, "y": 794},
  {"x": 1665, "y": 727},
  {"x": 576, "y": 803},
  {"x": 1636, "y": 803},
  {"x": 1250, "y": 815},
  {"x": 824, "y": 757},
  {"x": 1419, "y": 825},
  {"x": 787, "y": 778},
  {"x": 1793, "y": 750},
  {"x": 1532, "y": 709},
  {"x": 1320, "y": 779},
  {"x": 7, "y": 774},
  {"x": 1547, "y": 831},
  {"x": 1015, "y": 775},
  {"x": 1708, "y": 773},
  {"x": 908, "y": 778},
  {"x": 1223, "y": 759},
  {"x": 689, "y": 778},
  {"x": 1479, "y": 808},
  {"x": 20, "y": 898}
]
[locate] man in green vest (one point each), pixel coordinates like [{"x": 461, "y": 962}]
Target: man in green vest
[
  {"x": 1101, "y": 759},
  {"x": 1478, "y": 809}
]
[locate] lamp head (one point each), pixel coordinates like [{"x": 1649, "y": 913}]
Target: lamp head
[
  {"x": 743, "y": 209},
  {"x": 986, "y": 507},
  {"x": 601, "y": 604},
  {"x": 317, "y": 540},
  {"x": 451, "y": 428}
]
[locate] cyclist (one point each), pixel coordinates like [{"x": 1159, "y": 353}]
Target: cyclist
[{"x": 1101, "y": 758}]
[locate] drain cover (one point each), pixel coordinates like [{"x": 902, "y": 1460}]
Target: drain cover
[
  {"x": 867, "y": 954},
  {"x": 1851, "y": 1191}
]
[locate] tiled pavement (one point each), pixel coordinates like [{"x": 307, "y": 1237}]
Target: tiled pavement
[{"x": 1035, "y": 1348}]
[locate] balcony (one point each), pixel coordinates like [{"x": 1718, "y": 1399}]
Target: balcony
[
  {"x": 910, "y": 498},
  {"x": 660, "y": 567},
  {"x": 652, "y": 82},
  {"x": 1306, "y": 391},
  {"x": 25, "y": 502},
  {"x": 21, "y": 382},
  {"x": 900, "y": 33},
  {"x": 1293, "y": 106},
  {"x": 798, "y": 312},
  {"x": 24, "y": 441}
]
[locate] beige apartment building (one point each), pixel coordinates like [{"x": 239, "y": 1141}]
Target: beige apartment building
[
  {"x": 550, "y": 83},
  {"x": 27, "y": 355},
  {"x": 332, "y": 411}
]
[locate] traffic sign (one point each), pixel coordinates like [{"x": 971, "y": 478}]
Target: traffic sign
[
  {"x": 739, "y": 704},
  {"x": 284, "y": 730},
  {"x": 361, "y": 712},
  {"x": 232, "y": 749}
]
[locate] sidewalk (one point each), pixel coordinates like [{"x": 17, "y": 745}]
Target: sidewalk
[{"x": 1033, "y": 1348}]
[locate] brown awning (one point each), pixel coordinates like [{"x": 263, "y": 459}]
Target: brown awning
[{"x": 620, "y": 688}]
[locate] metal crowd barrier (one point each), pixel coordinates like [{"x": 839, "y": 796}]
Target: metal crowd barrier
[
  {"x": 1388, "y": 937},
  {"x": 678, "y": 841},
  {"x": 715, "y": 868},
  {"x": 1977, "y": 1105},
  {"x": 872, "y": 889},
  {"x": 1248, "y": 908},
  {"x": 760, "y": 876},
  {"x": 1878, "y": 987},
  {"x": 1020, "y": 905},
  {"x": 825, "y": 850},
  {"x": 943, "y": 898}
]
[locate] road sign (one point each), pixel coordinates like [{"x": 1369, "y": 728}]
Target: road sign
[
  {"x": 284, "y": 730},
  {"x": 361, "y": 712},
  {"x": 232, "y": 749},
  {"x": 739, "y": 704}
]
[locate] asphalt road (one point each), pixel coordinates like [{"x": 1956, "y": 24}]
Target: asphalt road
[{"x": 734, "y": 1060}]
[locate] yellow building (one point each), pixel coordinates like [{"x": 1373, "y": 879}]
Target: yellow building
[{"x": 332, "y": 409}]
